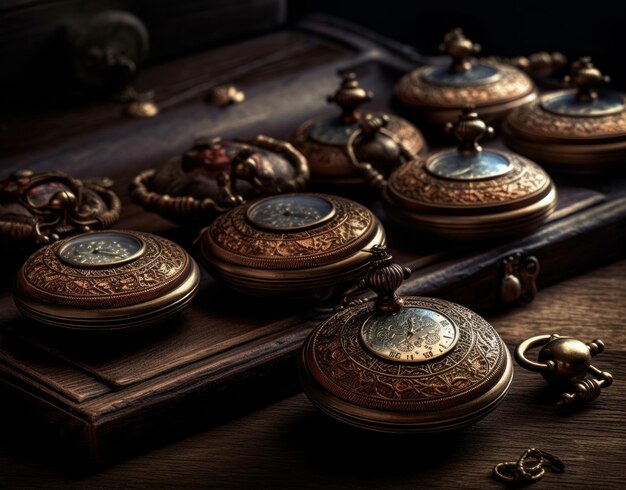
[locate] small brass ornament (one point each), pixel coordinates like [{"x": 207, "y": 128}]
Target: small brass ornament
[
  {"x": 529, "y": 468},
  {"x": 579, "y": 130},
  {"x": 565, "y": 362},
  {"x": 404, "y": 364}
]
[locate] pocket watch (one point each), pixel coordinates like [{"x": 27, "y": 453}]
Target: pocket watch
[
  {"x": 404, "y": 364},
  {"x": 292, "y": 245},
  {"x": 42, "y": 207},
  {"x": 323, "y": 140},
  {"x": 469, "y": 192},
  {"x": 576, "y": 130},
  {"x": 106, "y": 280},
  {"x": 438, "y": 93},
  {"x": 216, "y": 175}
]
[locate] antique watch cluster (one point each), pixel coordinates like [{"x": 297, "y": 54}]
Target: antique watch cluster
[{"x": 404, "y": 364}]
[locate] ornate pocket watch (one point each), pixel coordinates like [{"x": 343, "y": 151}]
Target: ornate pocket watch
[
  {"x": 438, "y": 93},
  {"x": 42, "y": 207},
  {"x": 106, "y": 280},
  {"x": 579, "y": 130},
  {"x": 216, "y": 175},
  {"x": 407, "y": 364},
  {"x": 323, "y": 140},
  {"x": 292, "y": 245},
  {"x": 467, "y": 193}
]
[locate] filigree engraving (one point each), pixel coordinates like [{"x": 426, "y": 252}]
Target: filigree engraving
[
  {"x": 414, "y": 90},
  {"x": 413, "y": 183},
  {"x": 354, "y": 374},
  {"x": 333, "y": 161},
  {"x": 232, "y": 236},
  {"x": 46, "y": 278},
  {"x": 535, "y": 121}
]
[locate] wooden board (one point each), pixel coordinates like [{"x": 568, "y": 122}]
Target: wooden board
[{"x": 106, "y": 399}]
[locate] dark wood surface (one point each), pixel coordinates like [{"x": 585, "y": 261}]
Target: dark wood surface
[{"x": 289, "y": 444}]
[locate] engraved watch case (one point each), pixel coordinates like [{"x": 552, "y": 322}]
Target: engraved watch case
[
  {"x": 322, "y": 140},
  {"x": 404, "y": 364},
  {"x": 105, "y": 281},
  {"x": 467, "y": 193},
  {"x": 437, "y": 93},
  {"x": 292, "y": 245},
  {"x": 579, "y": 130},
  {"x": 216, "y": 175}
]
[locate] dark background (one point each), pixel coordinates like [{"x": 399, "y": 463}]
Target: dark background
[
  {"x": 507, "y": 28},
  {"x": 35, "y": 65}
]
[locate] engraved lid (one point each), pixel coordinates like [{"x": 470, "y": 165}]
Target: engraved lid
[
  {"x": 106, "y": 280},
  {"x": 454, "y": 187},
  {"x": 290, "y": 245},
  {"x": 217, "y": 174},
  {"x": 438, "y": 92},
  {"x": 573, "y": 130},
  {"x": 404, "y": 363}
]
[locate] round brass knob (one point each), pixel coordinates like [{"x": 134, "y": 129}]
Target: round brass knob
[
  {"x": 586, "y": 78},
  {"x": 469, "y": 129},
  {"x": 460, "y": 49}
]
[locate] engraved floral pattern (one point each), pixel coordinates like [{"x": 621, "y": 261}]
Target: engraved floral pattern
[
  {"x": 412, "y": 182},
  {"x": 47, "y": 278},
  {"x": 534, "y": 120},
  {"x": 233, "y": 235},
  {"x": 412, "y": 89},
  {"x": 351, "y": 372}
]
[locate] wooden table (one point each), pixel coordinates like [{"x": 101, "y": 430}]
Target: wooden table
[{"x": 290, "y": 444}]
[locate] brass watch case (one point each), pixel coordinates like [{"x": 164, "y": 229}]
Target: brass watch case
[
  {"x": 511, "y": 204},
  {"x": 353, "y": 385},
  {"x": 318, "y": 262},
  {"x": 136, "y": 294},
  {"x": 572, "y": 144}
]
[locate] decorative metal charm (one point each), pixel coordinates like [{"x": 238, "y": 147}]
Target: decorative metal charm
[
  {"x": 323, "y": 141},
  {"x": 565, "y": 363},
  {"x": 49, "y": 205},
  {"x": 404, "y": 364},
  {"x": 467, "y": 193},
  {"x": 225, "y": 95},
  {"x": 575, "y": 130},
  {"x": 519, "y": 275},
  {"x": 437, "y": 93},
  {"x": 216, "y": 175},
  {"x": 529, "y": 468}
]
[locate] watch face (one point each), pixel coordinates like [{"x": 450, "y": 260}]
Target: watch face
[
  {"x": 476, "y": 75},
  {"x": 101, "y": 249},
  {"x": 484, "y": 165},
  {"x": 567, "y": 104},
  {"x": 290, "y": 212},
  {"x": 410, "y": 335}
]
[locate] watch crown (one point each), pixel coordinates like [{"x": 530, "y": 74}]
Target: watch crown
[{"x": 384, "y": 278}]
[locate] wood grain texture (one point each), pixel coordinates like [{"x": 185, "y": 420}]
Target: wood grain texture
[{"x": 291, "y": 445}]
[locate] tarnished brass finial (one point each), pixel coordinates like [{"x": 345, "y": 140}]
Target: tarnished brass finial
[
  {"x": 586, "y": 78},
  {"x": 460, "y": 49},
  {"x": 349, "y": 97},
  {"x": 384, "y": 278},
  {"x": 469, "y": 129}
]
